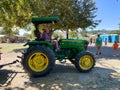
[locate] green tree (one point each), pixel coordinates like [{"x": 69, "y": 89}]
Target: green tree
[
  {"x": 73, "y": 34},
  {"x": 114, "y": 32},
  {"x": 73, "y": 14}
]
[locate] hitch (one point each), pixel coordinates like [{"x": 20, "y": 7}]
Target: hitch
[{"x": 9, "y": 63}]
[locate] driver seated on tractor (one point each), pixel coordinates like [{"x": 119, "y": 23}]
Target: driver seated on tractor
[
  {"x": 47, "y": 37},
  {"x": 38, "y": 35}
]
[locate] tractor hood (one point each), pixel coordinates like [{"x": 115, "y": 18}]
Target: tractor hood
[{"x": 79, "y": 44}]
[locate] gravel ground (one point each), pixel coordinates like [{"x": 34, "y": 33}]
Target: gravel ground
[{"x": 104, "y": 76}]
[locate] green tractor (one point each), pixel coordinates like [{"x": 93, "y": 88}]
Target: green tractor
[{"x": 39, "y": 58}]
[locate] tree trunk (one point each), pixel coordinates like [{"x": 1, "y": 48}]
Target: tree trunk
[{"x": 67, "y": 33}]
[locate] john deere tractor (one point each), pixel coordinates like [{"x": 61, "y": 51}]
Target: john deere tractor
[{"x": 39, "y": 58}]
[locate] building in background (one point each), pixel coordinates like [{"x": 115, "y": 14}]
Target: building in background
[
  {"x": 12, "y": 39},
  {"x": 110, "y": 38}
]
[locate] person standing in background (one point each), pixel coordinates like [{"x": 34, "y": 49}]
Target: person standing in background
[
  {"x": 91, "y": 40},
  {"x": 115, "y": 47},
  {"x": 98, "y": 44},
  {"x": 105, "y": 41}
]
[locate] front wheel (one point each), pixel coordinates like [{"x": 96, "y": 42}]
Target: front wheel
[{"x": 84, "y": 61}]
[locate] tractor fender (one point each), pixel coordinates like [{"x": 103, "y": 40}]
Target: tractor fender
[{"x": 34, "y": 42}]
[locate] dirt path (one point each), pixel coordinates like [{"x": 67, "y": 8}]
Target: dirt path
[{"x": 105, "y": 75}]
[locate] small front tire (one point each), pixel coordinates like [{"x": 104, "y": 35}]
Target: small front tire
[{"x": 84, "y": 61}]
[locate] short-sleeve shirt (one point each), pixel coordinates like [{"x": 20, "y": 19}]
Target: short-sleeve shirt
[
  {"x": 98, "y": 41},
  {"x": 46, "y": 36},
  {"x": 115, "y": 46}
]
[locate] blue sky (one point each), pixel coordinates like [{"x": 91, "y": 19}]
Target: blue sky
[{"x": 109, "y": 12}]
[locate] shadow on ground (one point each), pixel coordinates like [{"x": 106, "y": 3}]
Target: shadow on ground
[
  {"x": 67, "y": 78},
  {"x": 6, "y": 77},
  {"x": 106, "y": 52},
  {"x": 19, "y": 50}
]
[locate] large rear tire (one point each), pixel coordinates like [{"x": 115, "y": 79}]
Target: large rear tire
[
  {"x": 84, "y": 61},
  {"x": 38, "y": 60}
]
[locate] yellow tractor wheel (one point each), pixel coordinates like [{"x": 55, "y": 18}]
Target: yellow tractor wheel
[
  {"x": 38, "y": 60},
  {"x": 84, "y": 61}
]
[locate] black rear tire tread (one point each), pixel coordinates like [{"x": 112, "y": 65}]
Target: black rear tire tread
[{"x": 49, "y": 53}]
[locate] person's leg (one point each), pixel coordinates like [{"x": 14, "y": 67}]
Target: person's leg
[
  {"x": 99, "y": 50},
  {"x": 114, "y": 52},
  {"x": 96, "y": 50},
  {"x": 90, "y": 42},
  {"x": 56, "y": 44}
]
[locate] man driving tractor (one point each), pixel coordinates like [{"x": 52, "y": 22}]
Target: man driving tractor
[{"x": 46, "y": 36}]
